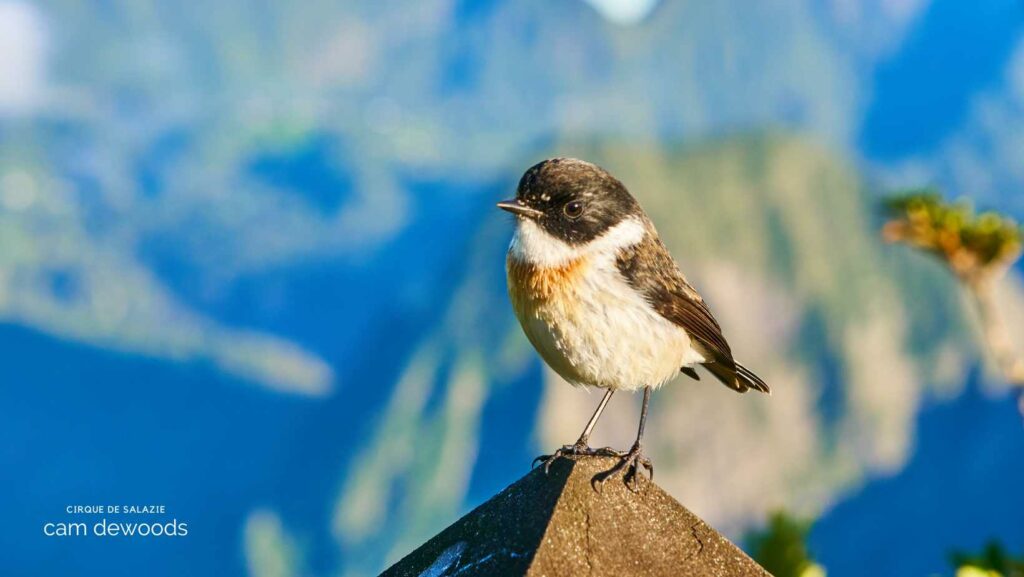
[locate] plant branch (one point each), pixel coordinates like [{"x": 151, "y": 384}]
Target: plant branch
[{"x": 996, "y": 336}]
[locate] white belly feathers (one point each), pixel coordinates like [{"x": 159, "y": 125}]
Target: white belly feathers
[{"x": 583, "y": 317}]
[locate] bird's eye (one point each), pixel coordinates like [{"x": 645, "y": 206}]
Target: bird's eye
[{"x": 573, "y": 209}]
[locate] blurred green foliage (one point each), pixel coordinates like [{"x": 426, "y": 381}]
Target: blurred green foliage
[
  {"x": 992, "y": 561},
  {"x": 781, "y": 547},
  {"x": 973, "y": 245}
]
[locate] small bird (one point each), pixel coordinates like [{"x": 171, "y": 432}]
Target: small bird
[{"x": 601, "y": 299}]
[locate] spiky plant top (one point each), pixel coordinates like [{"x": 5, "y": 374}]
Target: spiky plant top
[{"x": 975, "y": 246}]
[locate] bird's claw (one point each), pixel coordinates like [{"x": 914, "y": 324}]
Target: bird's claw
[
  {"x": 632, "y": 462},
  {"x": 580, "y": 449}
]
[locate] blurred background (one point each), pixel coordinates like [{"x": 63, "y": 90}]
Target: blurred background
[{"x": 251, "y": 268}]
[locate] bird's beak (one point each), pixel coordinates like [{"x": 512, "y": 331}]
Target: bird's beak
[{"x": 519, "y": 209}]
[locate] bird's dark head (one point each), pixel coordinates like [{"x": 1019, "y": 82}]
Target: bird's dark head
[{"x": 572, "y": 200}]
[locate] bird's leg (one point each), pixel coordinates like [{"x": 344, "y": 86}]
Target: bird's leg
[
  {"x": 634, "y": 459},
  {"x": 580, "y": 447},
  {"x": 583, "y": 442}
]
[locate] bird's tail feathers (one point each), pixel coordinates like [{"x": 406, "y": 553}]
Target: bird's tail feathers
[{"x": 738, "y": 377}]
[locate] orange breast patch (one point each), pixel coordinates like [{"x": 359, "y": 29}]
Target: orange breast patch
[{"x": 543, "y": 283}]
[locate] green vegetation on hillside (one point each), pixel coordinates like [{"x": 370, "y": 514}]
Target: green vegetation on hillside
[
  {"x": 781, "y": 547},
  {"x": 992, "y": 561}
]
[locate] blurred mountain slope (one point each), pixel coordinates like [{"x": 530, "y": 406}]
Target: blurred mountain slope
[{"x": 60, "y": 277}]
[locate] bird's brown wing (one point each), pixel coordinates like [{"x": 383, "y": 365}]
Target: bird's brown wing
[{"x": 650, "y": 269}]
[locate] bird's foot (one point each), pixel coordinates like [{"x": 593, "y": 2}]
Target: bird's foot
[
  {"x": 632, "y": 462},
  {"x": 580, "y": 449}
]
